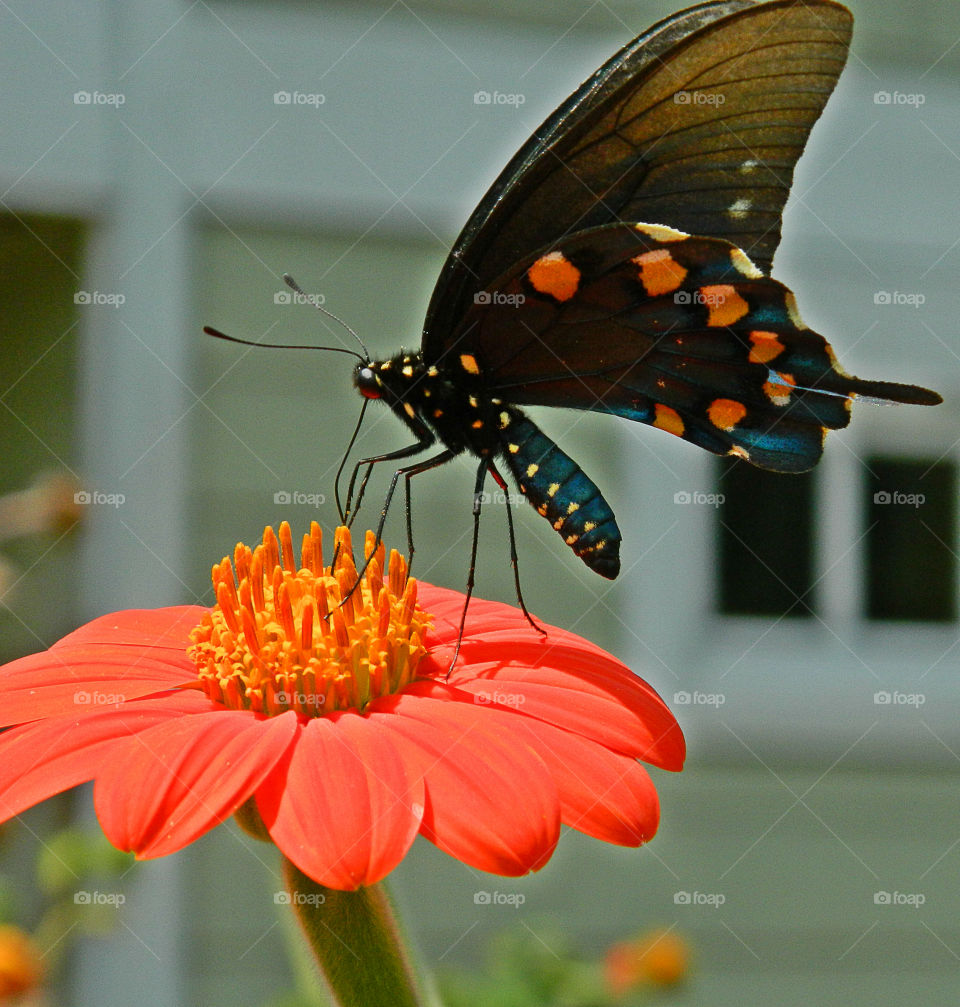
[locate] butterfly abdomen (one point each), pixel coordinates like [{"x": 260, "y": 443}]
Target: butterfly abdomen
[{"x": 561, "y": 492}]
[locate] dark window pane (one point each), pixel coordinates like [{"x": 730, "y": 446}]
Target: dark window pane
[
  {"x": 765, "y": 532},
  {"x": 911, "y": 539}
]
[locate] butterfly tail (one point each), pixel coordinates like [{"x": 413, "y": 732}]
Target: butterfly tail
[
  {"x": 562, "y": 493},
  {"x": 892, "y": 391}
]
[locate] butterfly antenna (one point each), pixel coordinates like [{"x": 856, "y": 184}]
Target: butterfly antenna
[
  {"x": 343, "y": 462},
  {"x": 297, "y": 289},
  {"x": 217, "y": 334}
]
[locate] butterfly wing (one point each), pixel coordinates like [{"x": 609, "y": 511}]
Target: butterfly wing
[
  {"x": 684, "y": 333},
  {"x": 697, "y": 124}
]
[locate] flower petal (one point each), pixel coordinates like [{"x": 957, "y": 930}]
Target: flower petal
[
  {"x": 347, "y": 809},
  {"x": 43, "y": 759},
  {"x": 490, "y": 801},
  {"x": 179, "y": 779},
  {"x": 113, "y": 659},
  {"x": 604, "y": 794}
]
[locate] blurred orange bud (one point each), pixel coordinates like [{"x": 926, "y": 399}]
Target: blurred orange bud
[
  {"x": 20, "y": 968},
  {"x": 658, "y": 958}
]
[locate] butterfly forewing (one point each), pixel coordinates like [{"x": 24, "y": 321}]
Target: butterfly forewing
[{"x": 698, "y": 124}]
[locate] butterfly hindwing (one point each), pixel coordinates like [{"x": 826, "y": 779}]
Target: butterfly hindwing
[
  {"x": 683, "y": 333},
  {"x": 697, "y": 123}
]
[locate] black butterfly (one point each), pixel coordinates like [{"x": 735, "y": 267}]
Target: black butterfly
[{"x": 576, "y": 282}]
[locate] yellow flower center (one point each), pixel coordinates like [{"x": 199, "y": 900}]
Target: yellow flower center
[{"x": 309, "y": 639}]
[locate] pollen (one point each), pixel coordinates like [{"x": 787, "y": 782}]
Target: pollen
[{"x": 308, "y": 638}]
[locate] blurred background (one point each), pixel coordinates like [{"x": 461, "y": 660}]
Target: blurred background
[{"x": 803, "y": 629}]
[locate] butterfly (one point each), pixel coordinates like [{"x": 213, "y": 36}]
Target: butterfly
[{"x": 620, "y": 264}]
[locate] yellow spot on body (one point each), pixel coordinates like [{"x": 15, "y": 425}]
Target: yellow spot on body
[
  {"x": 725, "y": 305},
  {"x": 790, "y": 301},
  {"x": 668, "y": 419},
  {"x": 589, "y": 525},
  {"x": 513, "y": 448},
  {"x": 532, "y": 470},
  {"x": 407, "y": 372},
  {"x": 496, "y": 402},
  {"x": 766, "y": 346},
  {"x": 432, "y": 372},
  {"x": 437, "y": 413},
  {"x": 660, "y": 233},
  {"x": 552, "y": 491},
  {"x": 473, "y": 401},
  {"x": 477, "y": 424},
  {"x": 660, "y": 273},
  {"x": 555, "y": 275},
  {"x": 572, "y": 506},
  {"x": 469, "y": 363},
  {"x": 778, "y": 392},
  {"x": 426, "y": 393},
  {"x": 409, "y": 410},
  {"x": 726, "y": 413},
  {"x": 406, "y": 360},
  {"x": 742, "y": 263},
  {"x": 385, "y": 366},
  {"x": 504, "y": 421}
]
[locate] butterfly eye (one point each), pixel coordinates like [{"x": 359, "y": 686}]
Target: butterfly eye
[{"x": 368, "y": 384}]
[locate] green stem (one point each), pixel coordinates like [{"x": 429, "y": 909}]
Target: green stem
[{"x": 356, "y": 942}]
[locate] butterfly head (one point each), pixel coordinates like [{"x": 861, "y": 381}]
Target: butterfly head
[{"x": 367, "y": 380}]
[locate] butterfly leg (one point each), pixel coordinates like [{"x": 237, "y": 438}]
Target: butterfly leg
[
  {"x": 408, "y": 473},
  {"x": 514, "y": 561},
  {"x": 351, "y": 509}
]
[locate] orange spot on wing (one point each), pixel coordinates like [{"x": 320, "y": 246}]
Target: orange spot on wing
[
  {"x": 660, "y": 273},
  {"x": 668, "y": 419},
  {"x": 726, "y": 413},
  {"x": 725, "y": 305},
  {"x": 555, "y": 275},
  {"x": 766, "y": 346},
  {"x": 778, "y": 392}
]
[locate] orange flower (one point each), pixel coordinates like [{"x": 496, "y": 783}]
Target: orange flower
[
  {"x": 660, "y": 958},
  {"x": 334, "y": 713},
  {"x": 20, "y": 969}
]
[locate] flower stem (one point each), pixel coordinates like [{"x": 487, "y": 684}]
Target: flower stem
[{"x": 356, "y": 941}]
